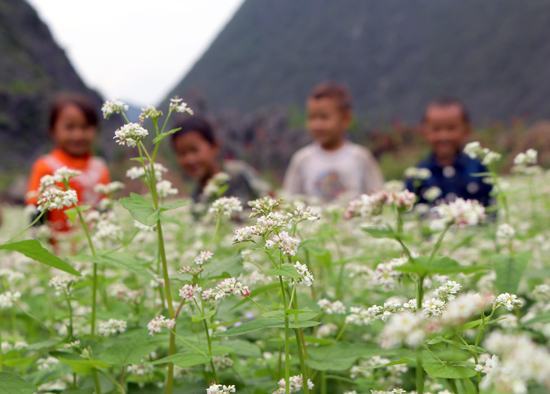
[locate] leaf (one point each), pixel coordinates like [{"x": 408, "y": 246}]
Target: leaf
[
  {"x": 34, "y": 250},
  {"x": 543, "y": 317},
  {"x": 380, "y": 232},
  {"x": 140, "y": 208},
  {"x": 338, "y": 364},
  {"x": 184, "y": 360},
  {"x": 13, "y": 384},
  {"x": 286, "y": 270},
  {"x": 83, "y": 366},
  {"x": 243, "y": 348},
  {"x": 253, "y": 325},
  {"x": 465, "y": 386},
  {"x": 438, "y": 265},
  {"x": 509, "y": 270},
  {"x": 342, "y": 356},
  {"x": 162, "y": 136},
  {"x": 128, "y": 348},
  {"x": 125, "y": 261},
  {"x": 447, "y": 369}
]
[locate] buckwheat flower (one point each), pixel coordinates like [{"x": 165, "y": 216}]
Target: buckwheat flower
[
  {"x": 526, "y": 158},
  {"x": 263, "y": 206},
  {"x": 490, "y": 157},
  {"x": 417, "y": 173},
  {"x": 295, "y": 384},
  {"x": 385, "y": 274},
  {"x": 111, "y": 327},
  {"x": 505, "y": 232},
  {"x": 203, "y": 257},
  {"x": 149, "y": 112},
  {"x": 143, "y": 227},
  {"x": 404, "y": 327},
  {"x": 107, "y": 232},
  {"x": 216, "y": 185},
  {"x": 541, "y": 293},
  {"x": 433, "y": 307},
  {"x": 508, "y": 301},
  {"x": 135, "y": 172},
  {"x": 130, "y": 134},
  {"x": 306, "y": 278},
  {"x": 464, "y": 307},
  {"x": 486, "y": 363},
  {"x": 272, "y": 222},
  {"x": 366, "y": 205},
  {"x": 177, "y": 105},
  {"x": 109, "y": 188},
  {"x": 326, "y": 330},
  {"x": 301, "y": 212},
  {"x": 54, "y": 198},
  {"x": 222, "y": 362},
  {"x": 111, "y": 107},
  {"x": 10, "y": 275},
  {"x": 65, "y": 173},
  {"x": 8, "y": 299},
  {"x": 461, "y": 212},
  {"x": 432, "y": 193},
  {"x": 156, "y": 325},
  {"x": 287, "y": 244},
  {"x": 473, "y": 149},
  {"x": 165, "y": 189},
  {"x": 226, "y": 206},
  {"x": 188, "y": 292},
  {"x": 47, "y": 363},
  {"x": 243, "y": 234},
  {"x": 221, "y": 389},
  {"x": 448, "y": 290},
  {"x": 228, "y": 286},
  {"x": 332, "y": 308},
  {"x": 140, "y": 369},
  {"x": 62, "y": 283}
]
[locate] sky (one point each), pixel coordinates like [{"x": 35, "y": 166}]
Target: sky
[{"x": 134, "y": 50}]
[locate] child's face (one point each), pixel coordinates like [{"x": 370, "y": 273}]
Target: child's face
[
  {"x": 72, "y": 132},
  {"x": 445, "y": 130},
  {"x": 327, "y": 122},
  {"x": 196, "y": 155}
]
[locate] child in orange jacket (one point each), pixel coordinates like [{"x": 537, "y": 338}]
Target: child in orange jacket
[{"x": 73, "y": 128}]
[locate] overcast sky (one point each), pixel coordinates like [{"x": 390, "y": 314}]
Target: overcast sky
[{"x": 135, "y": 50}]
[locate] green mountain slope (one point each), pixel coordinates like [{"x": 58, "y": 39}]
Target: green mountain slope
[{"x": 393, "y": 54}]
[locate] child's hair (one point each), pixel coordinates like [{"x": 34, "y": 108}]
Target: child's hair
[
  {"x": 62, "y": 100},
  {"x": 449, "y": 102},
  {"x": 197, "y": 124},
  {"x": 333, "y": 91}
]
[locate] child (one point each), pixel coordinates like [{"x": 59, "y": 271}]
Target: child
[
  {"x": 73, "y": 125},
  {"x": 452, "y": 174},
  {"x": 331, "y": 167},
  {"x": 197, "y": 151}
]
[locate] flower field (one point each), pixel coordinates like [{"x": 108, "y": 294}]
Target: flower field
[{"x": 153, "y": 294}]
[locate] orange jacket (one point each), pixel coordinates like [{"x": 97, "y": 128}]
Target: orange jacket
[{"x": 94, "y": 171}]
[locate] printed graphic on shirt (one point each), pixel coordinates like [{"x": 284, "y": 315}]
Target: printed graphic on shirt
[{"x": 329, "y": 185}]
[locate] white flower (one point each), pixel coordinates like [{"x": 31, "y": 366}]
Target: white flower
[
  {"x": 8, "y": 299},
  {"x": 326, "y": 330},
  {"x": 165, "y": 189},
  {"x": 245, "y": 233},
  {"x": 526, "y": 158},
  {"x": 366, "y": 205},
  {"x": 108, "y": 188},
  {"x": 149, "y": 112},
  {"x": 448, "y": 290},
  {"x": 332, "y": 308},
  {"x": 221, "y": 389},
  {"x": 404, "y": 327},
  {"x": 263, "y": 206},
  {"x": 54, "y": 198},
  {"x": 403, "y": 199},
  {"x": 112, "y": 107},
  {"x": 473, "y": 149},
  {"x": 464, "y": 307},
  {"x": 135, "y": 172},
  {"x": 61, "y": 283},
  {"x": 505, "y": 232},
  {"x": 156, "y": 325},
  {"x": 140, "y": 369},
  {"x": 306, "y": 278},
  {"x": 111, "y": 327},
  {"x": 226, "y": 206},
  {"x": 130, "y": 134},
  {"x": 203, "y": 257},
  {"x": 508, "y": 301},
  {"x": 143, "y": 227},
  {"x": 432, "y": 193},
  {"x": 188, "y": 292},
  {"x": 385, "y": 274},
  {"x": 47, "y": 363},
  {"x": 215, "y": 185},
  {"x": 228, "y": 286},
  {"x": 418, "y": 173},
  {"x": 295, "y": 384},
  {"x": 461, "y": 212},
  {"x": 486, "y": 363},
  {"x": 286, "y": 243},
  {"x": 65, "y": 173},
  {"x": 177, "y": 105}
]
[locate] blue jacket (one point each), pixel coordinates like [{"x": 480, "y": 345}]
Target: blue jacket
[{"x": 459, "y": 180}]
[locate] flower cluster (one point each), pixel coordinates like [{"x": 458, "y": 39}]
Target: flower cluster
[
  {"x": 226, "y": 287},
  {"x": 332, "y": 308},
  {"x": 111, "y": 327},
  {"x": 130, "y": 135},
  {"x": 306, "y": 278},
  {"x": 112, "y": 107},
  {"x": 188, "y": 292},
  {"x": 476, "y": 151},
  {"x": 62, "y": 283},
  {"x": 156, "y": 325},
  {"x": 226, "y": 206},
  {"x": 177, "y": 105},
  {"x": 464, "y": 307},
  {"x": 287, "y": 244},
  {"x": 109, "y": 188},
  {"x": 54, "y": 198},
  {"x": 368, "y": 205},
  {"x": 221, "y": 389},
  {"x": 460, "y": 212},
  {"x": 8, "y": 299},
  {"x": 149, "y": 112},
  {"x": 418, "y": 173},
  {"x": 165, "y": 189},
  {"x": 405, "y": 327},
  {"x": 203, "y": 257},
  {"x": 295, "y": 384},
  {"x": 508, "y": 301}
]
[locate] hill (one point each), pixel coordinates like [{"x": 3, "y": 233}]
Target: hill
[{"x": 393, "y": 54}]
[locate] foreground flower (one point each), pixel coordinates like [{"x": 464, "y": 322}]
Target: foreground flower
[
  {"x": 226, "y": 206},
  {"x": 405, "y": 327},
  {"x": 465, "y": 307},
  {"x": 287, "y": 244},
  {"x": 508, "y": 301},
  {"x": 332, "y": 308},
  {"x": 111, "y": 327},
  {"x": 8, "y": 299},
  {"x": 295, "y": 384},
  {"x": 111, "y": 107},
  {"x": 165, "y": 189},
  {"x": 188, "y": 292},
  {"x": 177, "y": 105},
  {"x": 203, "y": 257},
  {"x": 130, "y": 135},
  {"x": 156, "y": 325},
  {"x": 149, "y": 112},
  {"x": 65, "y": 173},
  {"x": 54, "y": 198},
  {"x": 505, "y": 232},
  {"x": 460, "y": 212},
  {"x": 306, "y": 278},
  {"x": 221, "y": 389}
]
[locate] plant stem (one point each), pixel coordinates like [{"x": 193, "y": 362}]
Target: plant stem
[
  {"x": 70, "y": 328},
  {"x": 287, "y": 335},
  {"x": 419, "y": 373},
  {"x": 439, "y": 241}
]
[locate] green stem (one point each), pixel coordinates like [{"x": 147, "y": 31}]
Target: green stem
[
  {"x": 439, "y": 241},
  {"x": 71, "y": 325},
  {"x": 209, "y": 342},
  {"x": 300, "y": 340},
  {"x": 419, "y": 373},
  {"x": 287, "y": 335}
]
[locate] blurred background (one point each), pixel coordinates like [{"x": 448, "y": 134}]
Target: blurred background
[{"x": 249, "y": 64}]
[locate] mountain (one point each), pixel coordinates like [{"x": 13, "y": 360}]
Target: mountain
[
  {"x": 32, "y": 68},
  {"x": 394, "y": 55}
]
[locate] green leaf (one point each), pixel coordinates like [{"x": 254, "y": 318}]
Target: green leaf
[
  {"x": 286, "y": 270},
  {"x": 184, "y": 360},
  {"x": 338, "y": 364},
  {"x": 242, "y": 348},
  {"x": 543, "y": 317},
  {"x": 162, "y": 136},
  {"x": 140, "y": 208},
  {"x": 465, "y": 386},
  {"x": 83, "y": 366},
  {"x": 341, "y": 356},
  {"x": 128, "y": 348},
  {"x": 439, "y": 368},
  {"x": 253, "y": 325},
  {"x": 13, "y": 384},
  {"x": 34, "y": 250},
  {"x": 380, "y": 232},
  {"x": 438, "y": 265},
  {"x": 509, "y": 270},
  {"x": 125, "y": 261}
]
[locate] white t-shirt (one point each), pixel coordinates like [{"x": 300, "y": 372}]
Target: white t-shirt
[{"x": 327, "y": 175}]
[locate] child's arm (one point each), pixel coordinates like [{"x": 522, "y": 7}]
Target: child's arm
[
  {"x": 373, "y": 178},
  {"x": 293, "y": 183}
]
